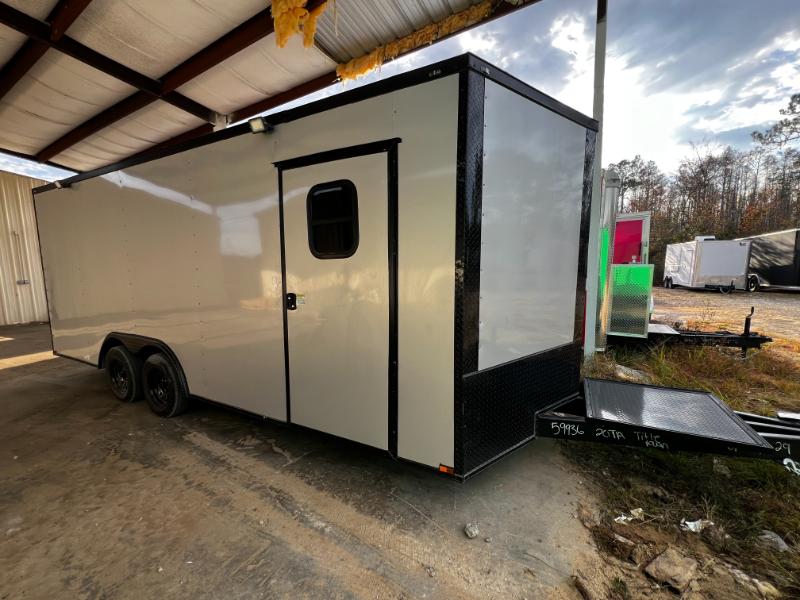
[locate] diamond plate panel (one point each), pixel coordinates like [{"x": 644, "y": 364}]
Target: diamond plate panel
[
  {"x": 678, "y": 411},
  {"x": 631, "y": 288},
  {"x": 500, "y": 404}
]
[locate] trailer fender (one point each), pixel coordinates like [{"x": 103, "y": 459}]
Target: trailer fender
[{"x": 143, "y": 347}]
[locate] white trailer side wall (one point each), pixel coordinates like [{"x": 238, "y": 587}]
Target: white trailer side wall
[
  {"x": 425, "y": 117},
  {"x": 721, "y": 261},
  {"x": 679, "y": 263},
  {"x": 22, "y": 297},
  {"x": 185, "y": 249},
  {"x": 532, "y": 195}
]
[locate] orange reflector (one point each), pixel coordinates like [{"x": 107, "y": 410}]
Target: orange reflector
[{"x": 446, "y": 469}]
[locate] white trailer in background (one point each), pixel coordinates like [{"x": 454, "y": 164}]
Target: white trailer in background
[
  {"x": 707, "y": 263},
  {"x": 402, "y": 265}
]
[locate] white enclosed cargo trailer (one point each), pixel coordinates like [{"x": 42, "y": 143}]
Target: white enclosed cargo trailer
[
  {"x": 402, "y": 265},
  {"x": 706, "y": 262}
]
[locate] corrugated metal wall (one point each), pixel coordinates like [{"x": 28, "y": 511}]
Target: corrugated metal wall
[{"x": 22, "y": 298}]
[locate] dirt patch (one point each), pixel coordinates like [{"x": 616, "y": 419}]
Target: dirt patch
[
  {"x": 777, "y": 313},
  {"x": 742, "y": 498}
]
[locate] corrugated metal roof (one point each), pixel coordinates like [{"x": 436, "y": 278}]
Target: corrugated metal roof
[
  {"x": 153, "y": 37},
  {"x": 355, "y": 27}
]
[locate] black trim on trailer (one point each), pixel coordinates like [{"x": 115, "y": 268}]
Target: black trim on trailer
[
  {"x": 458, "y": 64},
  {"x": 393, "y": 177},
  {"x": 501, "y": 403},
  {"x": 388, "y": 146},
  {"x": 469, "y": 197},
  {"x": 284, "y": 298},
  {"x": 507, "y": 80},
  {"x": 583, "y": 237},
  {"x": 337, "y": 154},
  {"x": 495, "y": 408}
]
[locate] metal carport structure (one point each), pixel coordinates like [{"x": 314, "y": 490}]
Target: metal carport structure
[{"x": 88, "y": 83}]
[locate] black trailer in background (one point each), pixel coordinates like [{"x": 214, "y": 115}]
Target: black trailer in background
[{"x": 775, "y": 260}]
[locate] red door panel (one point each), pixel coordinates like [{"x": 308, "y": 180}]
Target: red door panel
[{"x": 628, "y": 242}]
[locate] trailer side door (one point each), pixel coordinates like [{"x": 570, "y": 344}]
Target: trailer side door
[{"x": 339, "y": 223}]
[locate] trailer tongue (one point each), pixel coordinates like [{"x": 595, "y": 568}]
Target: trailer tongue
[{"x": 668, "y": 419}]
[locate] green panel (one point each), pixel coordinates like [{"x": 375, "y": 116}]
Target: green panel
[
  {"x": 605, "y": 242},
  {"x": 631, "y": 289}
]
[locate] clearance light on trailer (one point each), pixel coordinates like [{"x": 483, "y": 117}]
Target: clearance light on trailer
[
  {"x": 447, "y": 470},
  {"x": 258, "y": 125}
]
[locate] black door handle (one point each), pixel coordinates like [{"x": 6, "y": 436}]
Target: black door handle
[{"x": 291, "y": 301}]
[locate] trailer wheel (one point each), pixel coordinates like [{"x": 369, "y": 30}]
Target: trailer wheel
[
  {"x": 668, "y": 283},
  {"x": 162, "y": 389},
  {"x": 753, "y": 283},
  {"x": 123, "y": 370}
]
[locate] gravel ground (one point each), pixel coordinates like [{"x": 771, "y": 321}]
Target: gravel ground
[{"x": 777, "y": 313}]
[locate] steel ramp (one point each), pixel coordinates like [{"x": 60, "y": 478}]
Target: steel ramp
[{"x": 650, "y": 416}]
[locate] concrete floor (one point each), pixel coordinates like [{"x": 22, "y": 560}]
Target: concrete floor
[{"x": 100, "y": 499}]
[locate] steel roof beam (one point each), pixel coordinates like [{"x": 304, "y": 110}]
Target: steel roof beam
[
  {"x": 236, "y": 40},
  {"x": 43, "y": 36},
  {"x": 60, "y": 18},
  {"x": 305, "y": 88}
]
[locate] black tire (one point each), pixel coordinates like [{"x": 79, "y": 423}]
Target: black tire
[
  {"x": 753, "y": 284},
  {"x": 725, "y": 289},
  {"x": 668, "y": 283},
  {"x": 123, "y": 372},
  {"x": 162, "y": 387}
]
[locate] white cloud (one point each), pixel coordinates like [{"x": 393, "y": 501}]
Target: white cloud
[
  {"x": 640, "y": 121},
  {"x": 635, "y": 122},
  {"x": 478, "y": 41}
]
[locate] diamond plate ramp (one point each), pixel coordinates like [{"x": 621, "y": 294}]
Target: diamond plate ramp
[{"x": 667, "y": 410}]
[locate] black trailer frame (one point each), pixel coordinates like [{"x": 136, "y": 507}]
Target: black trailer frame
[{"x": 659, "y": 333}]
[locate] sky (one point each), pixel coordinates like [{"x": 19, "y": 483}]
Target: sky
[{"x": 678, "y": 72}]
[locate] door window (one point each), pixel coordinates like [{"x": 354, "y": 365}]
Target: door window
[{"x": 332, "y": 210}]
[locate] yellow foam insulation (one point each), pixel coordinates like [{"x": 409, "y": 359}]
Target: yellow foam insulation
[
  {"x": 422, "y": 37},
  {"x": 291, "y": 17},
  {"x": 310, "y": 26}
]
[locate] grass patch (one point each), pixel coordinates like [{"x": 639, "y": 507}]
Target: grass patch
[
  {"x": 743, "y": 497},
  {"x": 766, "y": 380}
]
